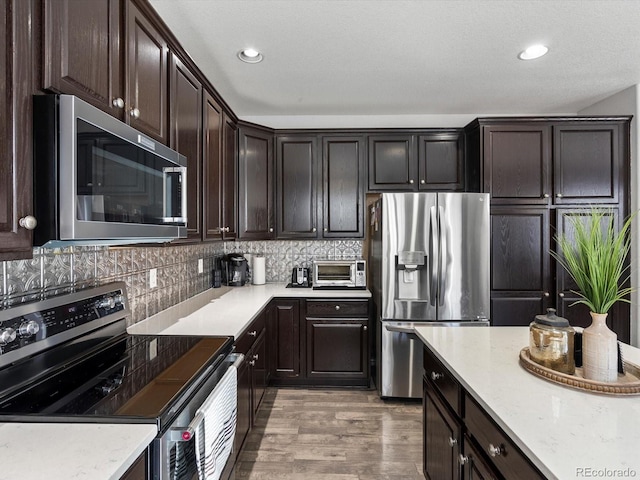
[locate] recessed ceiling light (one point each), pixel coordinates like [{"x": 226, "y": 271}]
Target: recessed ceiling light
[
  {"x": 250, "y": 55},
  {"x": 532, "y": 52}
]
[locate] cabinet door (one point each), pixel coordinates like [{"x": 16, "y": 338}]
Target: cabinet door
[
  {"x": 212, "y": 178},
  {"x": 442, "y": 436},
  {"x": 392, "y": 163},
  {"x": 517, "y": 161},
  {"x": 337, "y": 348},
  {"x": 255, "y": 184},
  {"x": 343, "y": 187},
  {"x": 146, "y": 65},
  {"x": 259, "y": 373},
  {"x": 82, "y": 54},
  {"x": 243, "y": 423},
  {"x": 285, "y": 339},
  {"x": 587, "y": 163},
  {"x": 474, "y": 467},
  {"x": 229, "y": 177},
  {"x": 520, "y": 264},
  {"x": 16, "y": 171},
  {"x": 186, "y": 137},
  {"x": 296, "y": 178},
  {"x": 440, "y": 162}
]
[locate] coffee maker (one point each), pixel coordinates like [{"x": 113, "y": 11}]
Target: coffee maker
[{"x": 235, "y": 269}]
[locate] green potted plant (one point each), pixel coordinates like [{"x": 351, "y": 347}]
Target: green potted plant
[{"x": 596, "y": 258}]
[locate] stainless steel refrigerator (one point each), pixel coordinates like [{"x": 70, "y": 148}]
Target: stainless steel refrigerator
[{"x": 429, "y": 261}]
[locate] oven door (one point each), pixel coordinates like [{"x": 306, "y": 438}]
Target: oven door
[{"x": 184, "y": 451}]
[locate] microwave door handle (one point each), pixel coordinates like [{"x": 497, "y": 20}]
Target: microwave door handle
[{"x": 179, "y": 174}]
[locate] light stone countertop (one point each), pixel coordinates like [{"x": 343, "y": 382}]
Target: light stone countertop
[
  {"x": 227, "y": 311},
  {"x": 560, "y": 429},
  {"x": 35, "y": 451}
]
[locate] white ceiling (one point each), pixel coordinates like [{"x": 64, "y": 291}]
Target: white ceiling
[{"x": 410, "y": 58}]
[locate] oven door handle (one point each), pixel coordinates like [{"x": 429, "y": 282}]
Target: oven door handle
[{"x": 186, "y": 434}]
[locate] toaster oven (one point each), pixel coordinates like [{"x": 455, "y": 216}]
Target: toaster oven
[{"x": 338, "y": 274}]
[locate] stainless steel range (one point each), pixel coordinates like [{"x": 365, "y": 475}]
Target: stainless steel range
[{"x": 70, "y": 359}]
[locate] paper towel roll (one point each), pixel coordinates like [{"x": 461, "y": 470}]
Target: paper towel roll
[{"x": 258, "y": 277}]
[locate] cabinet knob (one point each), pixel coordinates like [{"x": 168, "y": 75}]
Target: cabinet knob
[
  {"x": 118, "y": 102},
  {"x": 314, "y": 229},
  {"x": 326, "y": 229},
  {"x": 436, "y": 376},
  {"x": 28, "y": 222},
  {"x": 271, "y": 230},
  {"x": 546, "y": 294},
  {"x": 452, "y": 442},
  {"x": 364, "y": 328},
  {"x": 494, "y": 451},
  {"x": 422, "y": 182},
  {"x": 463, "y": 459},
  {"x": 337, "y": 307},
  {"x": 546, "y": 195},
  {"x": 255, "y": 357},
  {"x": 558, "y": 195},
  {"x": 561, "y": 295},
  {"x": 253, "y": 334},
  {"x": 252, "y": 362},
  {"x": 134, "y": 112},
  {"x": 411, "y": 181}
]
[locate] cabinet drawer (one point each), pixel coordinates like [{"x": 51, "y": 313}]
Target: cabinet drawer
[
  {"x": 443, "y": 382},
  {"x": 337, "y": 308},
  {"x": 509, "y": 460},
  {"x": 250, "y": 334}
]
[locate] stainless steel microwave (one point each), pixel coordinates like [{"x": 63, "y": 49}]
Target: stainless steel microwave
[
  {"x": 100, "y": 181},
  {"x": 336, "y": 274}
]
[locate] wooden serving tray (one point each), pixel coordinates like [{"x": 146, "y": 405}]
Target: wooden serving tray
[{"x": 627, "y": 384}]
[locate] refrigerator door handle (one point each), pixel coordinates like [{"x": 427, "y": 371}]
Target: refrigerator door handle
[
  {"x": 443, "y": 264},
  {"x": 433, "y": 255}
]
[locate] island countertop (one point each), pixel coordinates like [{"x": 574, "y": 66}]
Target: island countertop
[{"x": 566, "y": 433}]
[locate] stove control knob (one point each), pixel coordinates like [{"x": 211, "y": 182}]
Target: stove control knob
[
  {"x": 29, "y": 328},
  {"x": 8, "y": 335},
  {"x": 108, "y": 302}
]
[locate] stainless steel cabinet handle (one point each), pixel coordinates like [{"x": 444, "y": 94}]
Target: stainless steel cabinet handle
[
  {"x": 411, "y": 181},
  {"x": 271, "y": 230},
  {"x": 134, "y": 112},
  {"x": 28, "y": 222},
  {"x": 337, "y": 307},
  {"x": 561, "y": 295},
  {"x": 253, "y": 334},
  {"x": 326, "y": 229},
  {"x": 365, "y": 328},
  {"x": 314, "y": 229},
  {"x": 118, "y": 102},
  {"x": 546, "y": 195},
  {"x": 558, "y": 195},
  {"x": 255, "y": 357},
  {"x": 252, "y": 362},
  {"x": 436, "y": 376},
  {"x": 546, "y": 294},
  {"x": 494, "y": 451},
  {"x": 463, "y": 459},
  {"x": 422, "y": 182},
  {"x": 452, "y": 442}
]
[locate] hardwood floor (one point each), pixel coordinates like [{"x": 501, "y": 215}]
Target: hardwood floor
[{"x": 327, "y": 434}]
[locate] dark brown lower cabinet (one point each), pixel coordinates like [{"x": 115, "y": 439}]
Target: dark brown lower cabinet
[
  {"x": 137, "y": 471},
  {"x": 243, "y": 422},
  {"x": 284, "y": 325},
  {"x": 258, "y": 360},
  {"x": 442, "y": 438},
  {"x": 472, "y": 463}
]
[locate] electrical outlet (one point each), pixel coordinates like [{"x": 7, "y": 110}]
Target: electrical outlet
[
  {"x": 153, "y": 349},
  {"x": 200, "y": 265},
  {"x": 153, "y": 278}
]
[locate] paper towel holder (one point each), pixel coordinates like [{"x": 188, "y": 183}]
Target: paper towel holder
[{"x": 258, "y": 277}]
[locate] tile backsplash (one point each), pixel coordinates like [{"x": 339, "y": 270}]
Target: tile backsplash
[{"x": 61, "y": 270}]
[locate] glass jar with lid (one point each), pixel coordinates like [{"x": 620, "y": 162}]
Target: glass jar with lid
[{"x": 551, "y": 342}]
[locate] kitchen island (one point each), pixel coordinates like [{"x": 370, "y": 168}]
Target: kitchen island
[{"x": 564, "y": 433}]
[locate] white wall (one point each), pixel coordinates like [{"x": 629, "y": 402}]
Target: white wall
[{"x": 627, "y": 102}]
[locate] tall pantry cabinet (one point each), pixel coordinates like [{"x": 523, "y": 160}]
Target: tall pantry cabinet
[{"x": 539, "y": 172}]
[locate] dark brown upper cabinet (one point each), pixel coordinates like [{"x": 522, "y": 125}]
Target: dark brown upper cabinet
[
  {"x": 392, "y": 162},
  {"x": 440, "y": 162},
  {"x": 255, "y": 184},
  {"x": 343, "y": 187},
  {"x": 82, "y": 51},
  {"x": 186, "y": 137},
  {"x": 212, "y": 169},
  {"x": 517, "y": 163},
  {"x": 230, "y": 177},
  {"x": 587, "y": 162},
  {"x": 146, "y": 75},
  {"x": 297, "y": 173},
  {"x": 16, "y": 89}
]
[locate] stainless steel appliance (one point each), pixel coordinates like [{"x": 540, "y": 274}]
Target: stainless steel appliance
[
  {"x": 300, "y": 277},
  {"x": 430, "y": 265},
  {"x": 338, "y": 274},
  {"x": 69, "y": 359},
  {"x": 97, "y": 180}
]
